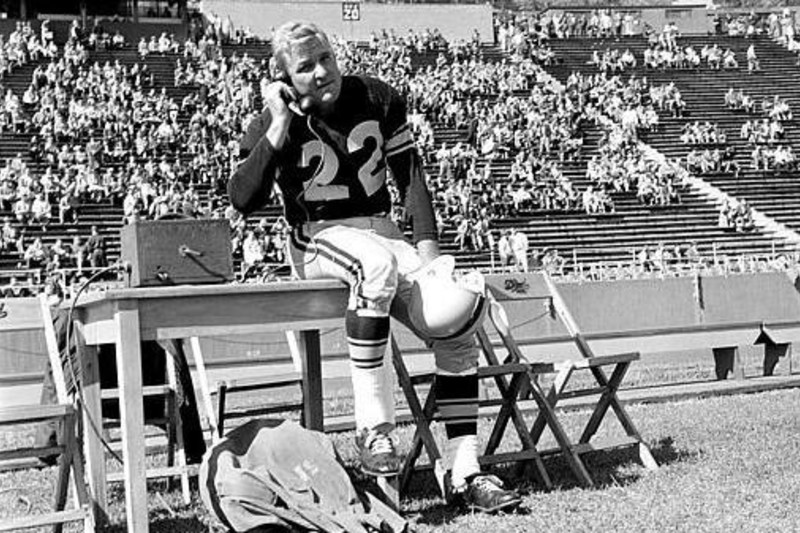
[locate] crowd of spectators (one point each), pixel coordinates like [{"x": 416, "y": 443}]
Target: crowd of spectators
[
  {"x": 664, "y": 260},
  {"x": 778, "y": 25},
  {"x": 661, "y": 58},
  {"x": 702, "y": 133},
  {"x": 509, "y": 109},
  {"x": 764, "y": 131},
  {"x": 737, "y": 100},
  {"x": 776, "y": 108},
  {"x": 623, "y": 162},
  {"x": 766, "y": 137},
  {"x": 736, "y": 215},
  {"x": 555, "y": 24},
  {"x": 612, "y": 60},
  {"x": 103, "y": 133},
  {"x": 76, "y": 255},
  {"x": 708, "y": 160},
  {"x": 664, "y": 53},
  {"x": 24, "y": 45},
  {"x": 779, "y": 158},
  {"x": 668, "y": 98}
]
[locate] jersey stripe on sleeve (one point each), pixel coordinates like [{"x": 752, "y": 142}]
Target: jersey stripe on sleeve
[{"x": 400, "y": 140}]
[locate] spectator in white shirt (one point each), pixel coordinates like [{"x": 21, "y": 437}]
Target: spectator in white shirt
[{"x": 519, "y": 245}]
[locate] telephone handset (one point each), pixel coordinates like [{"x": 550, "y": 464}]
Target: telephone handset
[{"x": 303, "y": 105}]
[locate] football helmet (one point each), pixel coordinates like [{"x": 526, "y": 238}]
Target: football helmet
[{"x": 443, "y": 306}]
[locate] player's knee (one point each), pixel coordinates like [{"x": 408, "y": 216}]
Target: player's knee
[
  {"x": 379, "y": 281},
  {"x": 381, "y": 270},
  {"x": 458, "y": 357}
]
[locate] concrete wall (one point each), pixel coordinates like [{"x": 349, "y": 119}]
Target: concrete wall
[
  {"x": 706, "y": 311},
  {"x": 453, "y": 21}
]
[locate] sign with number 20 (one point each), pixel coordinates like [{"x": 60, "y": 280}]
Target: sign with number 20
[{"x": 351, "y": 11}]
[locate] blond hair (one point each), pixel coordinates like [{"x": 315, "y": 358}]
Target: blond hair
[{"x": 289, "y": 33}]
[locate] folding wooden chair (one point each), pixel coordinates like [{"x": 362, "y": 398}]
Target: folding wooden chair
[
  {"x": 606, "y": 390},
  {"x": 525, "y": 383},
  {"x": 509, "y": 376}
]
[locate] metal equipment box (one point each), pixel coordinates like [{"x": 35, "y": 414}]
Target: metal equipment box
[{"x": 174, "y": 252}]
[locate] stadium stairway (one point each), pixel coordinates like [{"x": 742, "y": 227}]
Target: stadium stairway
[
  {"x": 703, "y": 90},
  {"x": 588, "y": 238},
  {"x": 615, "y": 237}
]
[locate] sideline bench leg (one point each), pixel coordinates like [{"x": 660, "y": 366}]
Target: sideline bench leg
[
  {"x": 727, "y": 359},
  {"x": 773, "y": 353}
]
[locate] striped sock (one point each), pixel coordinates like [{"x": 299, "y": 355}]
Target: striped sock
[
  {"x": 373, "y": 393},
  {"x": 457, "y": 403}
]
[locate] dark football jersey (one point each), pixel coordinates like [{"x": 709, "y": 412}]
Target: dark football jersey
[{"x": 337, "y": 168}]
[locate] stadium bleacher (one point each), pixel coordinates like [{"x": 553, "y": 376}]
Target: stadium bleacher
[{"x": 582, "y": 239}]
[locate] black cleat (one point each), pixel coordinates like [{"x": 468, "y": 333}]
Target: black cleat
[
  {"x": 484, "y": 493},
  {"x": 377, "y": 453}
]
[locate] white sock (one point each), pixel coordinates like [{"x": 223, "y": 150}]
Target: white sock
[
  {"x": 461, "y": 456},
  {"x": 373, "y": 397}
]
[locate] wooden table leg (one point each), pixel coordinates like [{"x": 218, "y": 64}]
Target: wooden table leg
[
  {"x": 129, "y": 377},
  {"x": 309, "y": 348}
]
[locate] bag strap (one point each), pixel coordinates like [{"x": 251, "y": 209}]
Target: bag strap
[
  {"x": 289, "y": 516},
  {"x": 319, "y": 518}
]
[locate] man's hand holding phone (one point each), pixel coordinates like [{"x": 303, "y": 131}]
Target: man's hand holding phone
[
  {"x": 282, "y": 101},
  {"x": 277, "y": 98}
]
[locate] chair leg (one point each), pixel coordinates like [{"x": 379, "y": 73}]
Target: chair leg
[
  {"x": 302, "y": 402},
  {"x": 423, "y": 439},
  {"x": 177, "y": 449},
  {"x": 64, "y": 467},
  {"x": 222, "y": 389},
  {"x": 391, "y": 490},
  {"x": 181, "y": 459},
  {"x": 557, "y": 388},
  {"x": 422, "y": 418},
  {"x": 546, "y": 410},
  {"x": 511, "y": 392},
  {"x": 511, "y": 410},
  {"x": 203, "y": 383},
  {"x": 73, "y": 450},
  {"x": 610, "y": 399}
]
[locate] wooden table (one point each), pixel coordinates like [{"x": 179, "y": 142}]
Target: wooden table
[{"x": 125, "y": 317}]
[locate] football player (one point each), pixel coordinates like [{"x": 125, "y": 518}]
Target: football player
[{"x": 328, "y": 141}]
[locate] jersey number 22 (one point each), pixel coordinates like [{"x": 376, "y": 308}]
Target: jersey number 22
[{"x": 369, "y": 174}]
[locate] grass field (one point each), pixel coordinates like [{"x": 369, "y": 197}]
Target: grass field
[{"x": 729, "y": 464}]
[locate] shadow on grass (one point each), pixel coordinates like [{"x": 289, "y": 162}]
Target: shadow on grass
[
  {"x": 430, "y": 508},
  {"x": 617, "y": 467},
  {"x": 165, "y": 525},
  {"x": 423, "y": 503}
]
